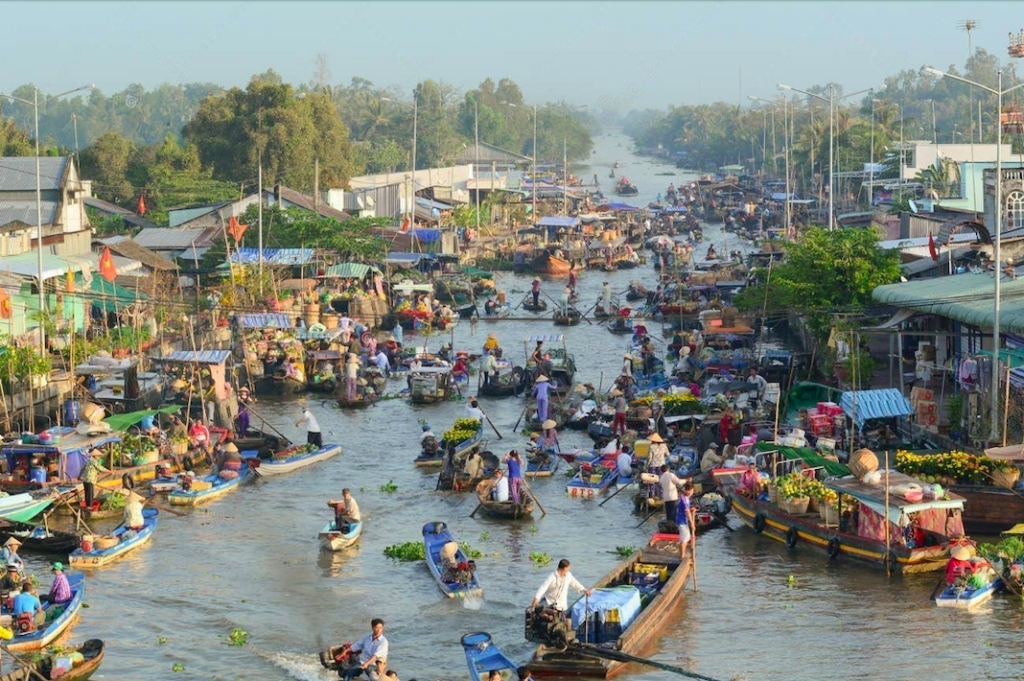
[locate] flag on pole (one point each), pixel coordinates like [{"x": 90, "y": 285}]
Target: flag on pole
[
  {"x": 931, "y": 248},
  {"x": 107, "y": 268},
  {"x": 70, "y": 281},
  {"x": 236, "y": 229},
  {"x": 6, "y": 310},
  {"x": 141, "y": 208}
]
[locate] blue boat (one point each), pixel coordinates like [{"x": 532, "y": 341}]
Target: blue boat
[
  {"x": 435, "y": 536},
  {"x": 483, "y": 657},
  {"x": 63, "y": 616},
  {"x": 303, "y": 457},
  {"x": 218, "y": 488},
  {"x": 591, "y": 481},
  {"x": 687, "y": 461},
  {"x": 332, "y": 540},
  {"x": 542, "y": 463},
  {"x": 965, "y": 597},
  {"x": 80, "y": 559}
]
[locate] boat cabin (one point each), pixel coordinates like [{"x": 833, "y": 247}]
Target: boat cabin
[
  {"x": 54, "y": 458},
  {"x": 197, "y": 378},
  {"x": 428, "y": 385}
]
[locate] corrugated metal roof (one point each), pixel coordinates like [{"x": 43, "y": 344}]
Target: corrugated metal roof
[
  {"x": 25, "y": 212},
  {"x": 864, "y": 405},
  {"x": 558, "y": 221},
  {"x": 197, "y": 356},
  {"x": 546, "y": 337},
  {"x": 163, "y": 238},
  {"x": 105, "y": 206},
  {"x": 18, "y": 173},
  {"x": 348, "y": 270},
  {"x": 266, "y": 320},
  {"x": 273, "y": 256},
  {"x": 967, "y": 298}
]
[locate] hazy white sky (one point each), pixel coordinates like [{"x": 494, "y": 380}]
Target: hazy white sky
[{"x": 631, "y": 55}]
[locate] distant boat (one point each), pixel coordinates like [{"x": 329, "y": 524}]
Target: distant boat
[
  {"x": 483, "y": 657},
  {"x": 333, "y": 540}
]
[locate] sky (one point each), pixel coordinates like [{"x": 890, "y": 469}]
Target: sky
[{"x": 621, "y": 55}]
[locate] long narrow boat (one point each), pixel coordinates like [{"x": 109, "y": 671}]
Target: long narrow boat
[
  {"x": 435, "y": 536},
  {"x": 542, "y": 464},
  {"x": 39, "y": 539},
  {"x": 483, "y": 657},
  {"x": 218, "y": 488},
  {"x": 591, "y": 481},
  {"x": 26, "y": 506},
  {"x": 80, "y": 559},
  {"x": 297, "y": 457},
  {"x": 333, "y": 540},
  {"x": 43, "y": 636},
  {"x": 657, "y": 574},
  {"x": 92, "y": 656}
]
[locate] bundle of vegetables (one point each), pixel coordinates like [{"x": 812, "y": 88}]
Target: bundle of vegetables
[
  {"x": 1007, "y": 551},
  {"x": 950, "y": 468},
  {"x": 677, "y": 404},
  {"x": 113, "y": 502},
  {"x": 462, "y": 430}
]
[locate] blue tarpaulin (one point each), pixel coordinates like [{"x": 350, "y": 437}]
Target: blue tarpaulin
[
  {"x": 781, "y": 196},
  {"x": 558, "y": 221},
  {"x": 865, "y": 405},
  {"x": 405, "y": 259},
  {"x": 427, "y": 236},
  {"x": 273, "y": 256},
  {"x": 625, "y": 599},
  {"x": 198, "y": 356},
  {"x": 266, "y": 320},
  {"x": 674, "y": 209}
]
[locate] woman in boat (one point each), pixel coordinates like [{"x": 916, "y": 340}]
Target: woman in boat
[
  {"x": 549, "y": 440},
  {"x": 515, "y": 473},
  {"x": 535, "y": 292},
  {"x": 9, "y": 555},
  {"x": 60, "y": 590},
  {"x": 658, "y": 456},
  {"x": 750, "y": 483},
  {"x": 959, "y": 564},
  {"x": 725, "y": 425},
  {"x": 133, "y": 518}
]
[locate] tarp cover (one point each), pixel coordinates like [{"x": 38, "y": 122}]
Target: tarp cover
[
  {"x": 198, "y": 356},
  {"x": 273, "y": 256},
  {"x": 625, "y": 599},
  {"x": 126, "y": 421},
  {"x": 807, "y": 455},
  {"x": 865, "y": 405},
  {"x": 266, "y": 320}
]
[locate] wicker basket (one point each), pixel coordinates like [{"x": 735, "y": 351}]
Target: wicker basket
[
  {"x": 812, "y": 505},
  {"x": 862, "y": 462},
  {"x": 1006, "y": 479},
  {"x": 179, "y": 448},
  {"x": 830, "y": 514},
  {"x": 821, "y": 510},
  {"x": 773, "y": 494},
  {"x": 794, "y": 506},
  {"x": 104, "y": 543}
]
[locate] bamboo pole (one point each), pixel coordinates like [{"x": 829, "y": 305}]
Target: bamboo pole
[
  {"x": 1006, "y": 403},
  {"x": 888, "y": 571}
]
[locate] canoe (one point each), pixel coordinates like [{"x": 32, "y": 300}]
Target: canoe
[
  {"x": 965, "y": 598},
  {"x": 332, "y": 540},
  {"x": 591, "y": 486},
  {"x": 219, "y": 487},
  {"x": 63, "y": 616},
  {"x": 24, "y": 507},
  {"x": 39, "y": 539},
  {"x": 358, "y": 403},
  {"x": 539, "y": 307},
  {"x": 571, "y": 319},
  {"x": 542, "y": 464},
  {"x": 92, "y": 650},
  {"x": 503, "y": 510},
  {"x": 99, "y": 557},
  {"x": 302, "y": 457},
  {"x": 435, "y": 536},
  {"x": 659, "y": 575},
  {"x": 483, "y": 657}
]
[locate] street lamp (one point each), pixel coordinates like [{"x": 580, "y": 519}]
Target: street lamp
[
  {"x": 996, "y": 250},
  {"x": 831, "y": 100},
  {"x": 39, "y": 199}
]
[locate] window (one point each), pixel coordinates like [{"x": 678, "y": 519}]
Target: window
[{"x": 1015, "y": 209}]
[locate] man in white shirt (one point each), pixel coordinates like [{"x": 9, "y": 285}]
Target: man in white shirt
[
  {"x": 313, "y": 434},
  {"x": 373, "y": 653},
  {"x": 381, "y": 360},
  {"x": 670, "y": 484},
  {"x": 474, "y": 410},
  {"x": 489, "y": 368},
  {"x": 501, "y": 491},
  {"x": 758, "y": 380},
  {"x": 624, "y": 464},
  {"x": 554, "y": 592},
  {"x": 606, "y": 297}
]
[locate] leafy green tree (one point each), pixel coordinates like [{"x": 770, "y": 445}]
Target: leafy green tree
[
  {"x": 824, "y": 273},
  {"x": 296, "y": 227},
  {"x": 106, "y": 164}
]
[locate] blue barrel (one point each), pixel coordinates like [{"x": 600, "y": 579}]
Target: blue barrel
[
  {"x": 71, "y": 412},
  {"x": 38, "y": 474}
]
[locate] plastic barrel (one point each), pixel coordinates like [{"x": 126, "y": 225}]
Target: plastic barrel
[
  {"x": 71, "y": 410},
  {"x": 38, "y": 474}
]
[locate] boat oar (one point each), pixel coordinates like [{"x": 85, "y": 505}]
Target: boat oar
[
  {"x": 268, "y": 423},
  {"x": 648, "y": 517},
  {"x": 534, "y": 495},
  {"x": 938, "y": 588},
  {"x": 78, "y": 516},
  {"x": 722, "y": 519},
  {"x": 617, "y": 490},
  {"x": 500, "y": 436},
  {"x": 26, "y": 664},
  {"x": 516, "y": 427},
  {"x": 163, "y": 509}
]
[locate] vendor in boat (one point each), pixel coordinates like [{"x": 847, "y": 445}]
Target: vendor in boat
[
  {"x": 711, "y": 255},
  {"x": 27, "y": 603},
  {"x": 428, "y": 442},
  {"x": 624, "y": 463},
  {"x": 178, "y": 428},
  {"x": 346, "y": 513},
  {"x": 750, "y": 482},
  {"x": 60, "y": 590},
  {"x": 725, "y": 425},
  {"x": 10, "y": 583},
  {"x": 535, "y": 292},
  {"x": 659, "y": 453},
  {"x": 563, "y": 301},
  {"x": 133, "y": 517},
  {"x": 351, "y": 374},
  {"x": 537, "y": 356},
  {"x": 515, "y": 473},
  {"x": 554, "y": 592},
  {"x": 711, "y": 458},
  {"x": 491, "y": 344},
  {"x": 549, "y": 439},
  {"x": 242, "y": 420},
  {"x": 606, "y": 297},
  {"x": 460, "y": 371},
  {"x": 313, "y": 434},
  {"x": 573, "y": 279},
  {"x": 619, "y": 404},
  {"x": 670, "y": 484},
  {"x": 373, "y": 653},
  {"x": 959, "y": 565},
  {"x": 474, "y": 411},
  {"x": 474, "y": 466},
  {"x": 541, "y": 388},
  {"x": 686, "y": 519},
  {"x": 89, "y": 474},
  {"x": 501, "y": 489},
  {"x": 490, "y": 307},
  {"x": 200, "y": 435},
  {"x": 489, "y": 368},
  {"x": 9, "y": 554},
  {"x": 647, "y": 356},
  {"x": 381, "y": 361},
  {"x": 757, "y": 379}
]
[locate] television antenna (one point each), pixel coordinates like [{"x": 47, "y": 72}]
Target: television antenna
[{"x": 969, "y": 25}]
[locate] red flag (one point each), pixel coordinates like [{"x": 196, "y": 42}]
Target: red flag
[
  {"x": 6, "y": 311},
  {"x": 141, "y": 209},
  {"x": 235, "y": 228},
  {"x": 931, "y": 248},
  {"x": 107, "y": 268}
]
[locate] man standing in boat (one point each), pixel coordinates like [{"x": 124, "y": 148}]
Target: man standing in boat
[
  {"x": 554, "y": 592},
  {"x": 313, "y": 434},
  {"x": 535, "y": 291}
]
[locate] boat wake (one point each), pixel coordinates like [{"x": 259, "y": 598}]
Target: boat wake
[
  {"x": 472, "y": 602},
  {"x": 300, "y": 666}
]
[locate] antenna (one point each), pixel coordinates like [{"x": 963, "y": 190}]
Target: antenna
[{"x": 969, "y": 25}]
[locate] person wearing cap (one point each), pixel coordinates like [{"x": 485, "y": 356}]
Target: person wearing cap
[
  {"x": 474, "y": 410},
  {"x": 541, "y": 389},
  {"x": 60, "y": 590},
  {"x": 313, "y": 434},
  {"x": 133, "y": 518},
  {"x": 242, "y": 420},
  {"x": 11, "y": 581},
  {"x": 515, "y": 473},
  {"x": 619, "y": 404},
  {"x": 460, "y": 372},
  {"x": 711, "y": 458},
  {"x": 351, "y": 374},
  {"x": 659, "y": 452},
  {"x": 535, "y": 291},
  {"x": 90, "y": 474}
]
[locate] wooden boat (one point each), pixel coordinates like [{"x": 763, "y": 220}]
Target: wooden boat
[
  {"x": 794, "y": 530},
  {"x": 659, "y": 575},
  {"x": 625, "y": 188},
  {"x": 297, "y": 457},
  {"x": 80, "y": 559},
  {"x": 218, "y": 488},
  {"x": 279, "y": 384},
  {"x": 315, "y": 360},
  {"x": 989, "y": 509},
  {"x": 965, "y": 597},
  {"x": 550, "y": 264},
  {"x": 333, "y": 540},
  {"x": 95, "y": 513},
  {"x": 92, "y": 651},
  {"x": 499, "y": 312},
  {"x": 24, "y": 507},
  {"x": 483, "y": 657},
  {"x": 503, "y": 510},
  {"x": 63, "y": 616},
  {"x": 429, "y": 458},
  {"x": 541, "y": 305},
  {"x": 621, "y": 325},
  {"x": 435, "y": 536},
  {"x": 510, "y": 381},
  {"x": 591, "y": 480},
  {"x": 360, "y": 402},
  {"x": 542, "y": 464},
  {"x": 428, "y": 385},
  {"x": 39, "y": 539},
  {"x": 570, "y": 318}
]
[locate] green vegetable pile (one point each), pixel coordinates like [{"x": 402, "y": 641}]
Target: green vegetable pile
[
  {"x": 462, "y": 430},
  {"x": 408, "y": 552},
  {"x": 113, "y": 502}
]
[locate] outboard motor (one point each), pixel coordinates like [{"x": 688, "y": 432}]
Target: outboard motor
[{"x": 549, "y": 627}]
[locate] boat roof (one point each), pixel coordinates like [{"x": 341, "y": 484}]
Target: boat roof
[
  {"x": 874, "y": 495},
  {"x": 409, "y": 287},
  {"x": 70, "y": 441},
  {"x": 327, "y": 334},
  {"x": 806, "y": 454},
  {"x": 432, "y": 370},
  {"x": 322, "y": 355},
  {"x": 546, "y": 337},
  {"x": 196, "y": 356},
  {"x": 266, "y": 320}
]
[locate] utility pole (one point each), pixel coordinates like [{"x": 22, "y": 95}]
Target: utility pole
[
  {"x": 533, "y": 181},
  {"x": 316, "y": 185},
  {"x": 565, "y": 178},
  {"x": 476, "y": 160}
]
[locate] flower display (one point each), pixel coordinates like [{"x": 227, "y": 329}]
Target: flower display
[
  {"x": 461, "y": 430},
  {"x": 676, "y": 404},
  {"x": 949, "y": 468}
]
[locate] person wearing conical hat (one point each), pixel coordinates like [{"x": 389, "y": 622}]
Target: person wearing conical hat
[
  {"x": 535, "y": 291},
  {"x": 9, "y": 554},
  {"x": 659, "y": 452},
  {"x": 959, "y": 565},
  {"x": 619, "y": 404},
  {"x": 133, "y": 518},
  {"x": 541, "y": 390},
  {"x": 351, "y": 374}
]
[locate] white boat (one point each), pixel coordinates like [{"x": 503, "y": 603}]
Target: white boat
[
  {"x": 965, "y": 598},
  {"x": 332, "y": 540},
  {"x": 288, "y": 464}
]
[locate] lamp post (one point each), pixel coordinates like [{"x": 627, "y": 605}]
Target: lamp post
[
  {"x": 871, "y": 162},
  {"x": 39, "y": 201},
  {"x": 831, "y": 101},
  {"x": 996, "y": 250}
]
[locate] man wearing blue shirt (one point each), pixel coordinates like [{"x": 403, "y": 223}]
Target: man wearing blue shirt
[
  {"x": 27, "y": 601},
  {"x": 685, "y": 518}
]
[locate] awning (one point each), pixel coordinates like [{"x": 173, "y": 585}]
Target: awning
[
  {"x": 126, "y": 421},
  {"x": 547, "y": 337},
  {"x": 901, "y": 316},
  {"x": 26, "y": 265},
  {"x": 349, "y": 270},
  {"x": 400, "y": 259},
  {"x": 110, "y": 297},
  {"x": 864, "y": 405},
  {"x": 265, "y": 320},
  {"x": 807, "y": 455},
  {"x": 197, "y": 356},
  {"x": 558, "y": 221},
  {"x": 617, "y": 206},
  {"x": 273, "y": 256}
]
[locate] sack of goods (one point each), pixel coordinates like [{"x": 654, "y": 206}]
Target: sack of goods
[{"x": 228, "y": 475}]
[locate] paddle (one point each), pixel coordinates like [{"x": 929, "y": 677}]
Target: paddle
[
  {"x": 617, "y": 490},
  {"x": 25, "y": 663},
  {"x": 722, "y": 519},
  {"x": 938, "y": 588},
  {"x": 534, "y": 495},
  {"x": 516, "y": 427},
  {"x": 161, "y": 507},
  {"x": 80, "y": 521},
  {"x": 500, "y": 437},
  {"x": 649, "y": 515},
  {"x": 268, "y": 423}
]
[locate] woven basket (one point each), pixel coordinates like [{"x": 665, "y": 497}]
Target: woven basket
[
  {"x": 821, "y": 510},
  {"x": 794, "y": 506},
  {"x": 773, "y": 494},
  {"x": 1006, "y": 479},
  {"x": 830, "y": 514},
  {"x": 812, "y": 505},
  {"x": 104, "y": 543},
  {"x": 179, "y": 448},
  {"x": 862, "y": 462}
]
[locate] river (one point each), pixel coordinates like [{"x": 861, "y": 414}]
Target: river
[{"x": 251, "y": 560}]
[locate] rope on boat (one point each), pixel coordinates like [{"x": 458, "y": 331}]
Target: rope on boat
[{"x": 619, "y": 656}]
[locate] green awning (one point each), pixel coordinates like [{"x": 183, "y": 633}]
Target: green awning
[
  {"x": 1011, "y": 357},
  {"x": 474, "y": 272},
  {"x": 110, "y": 297},
  {"x": 349, "y": 270},
  {"x": 807, "y": 455},
  {"x": 123, "y": 422}
]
